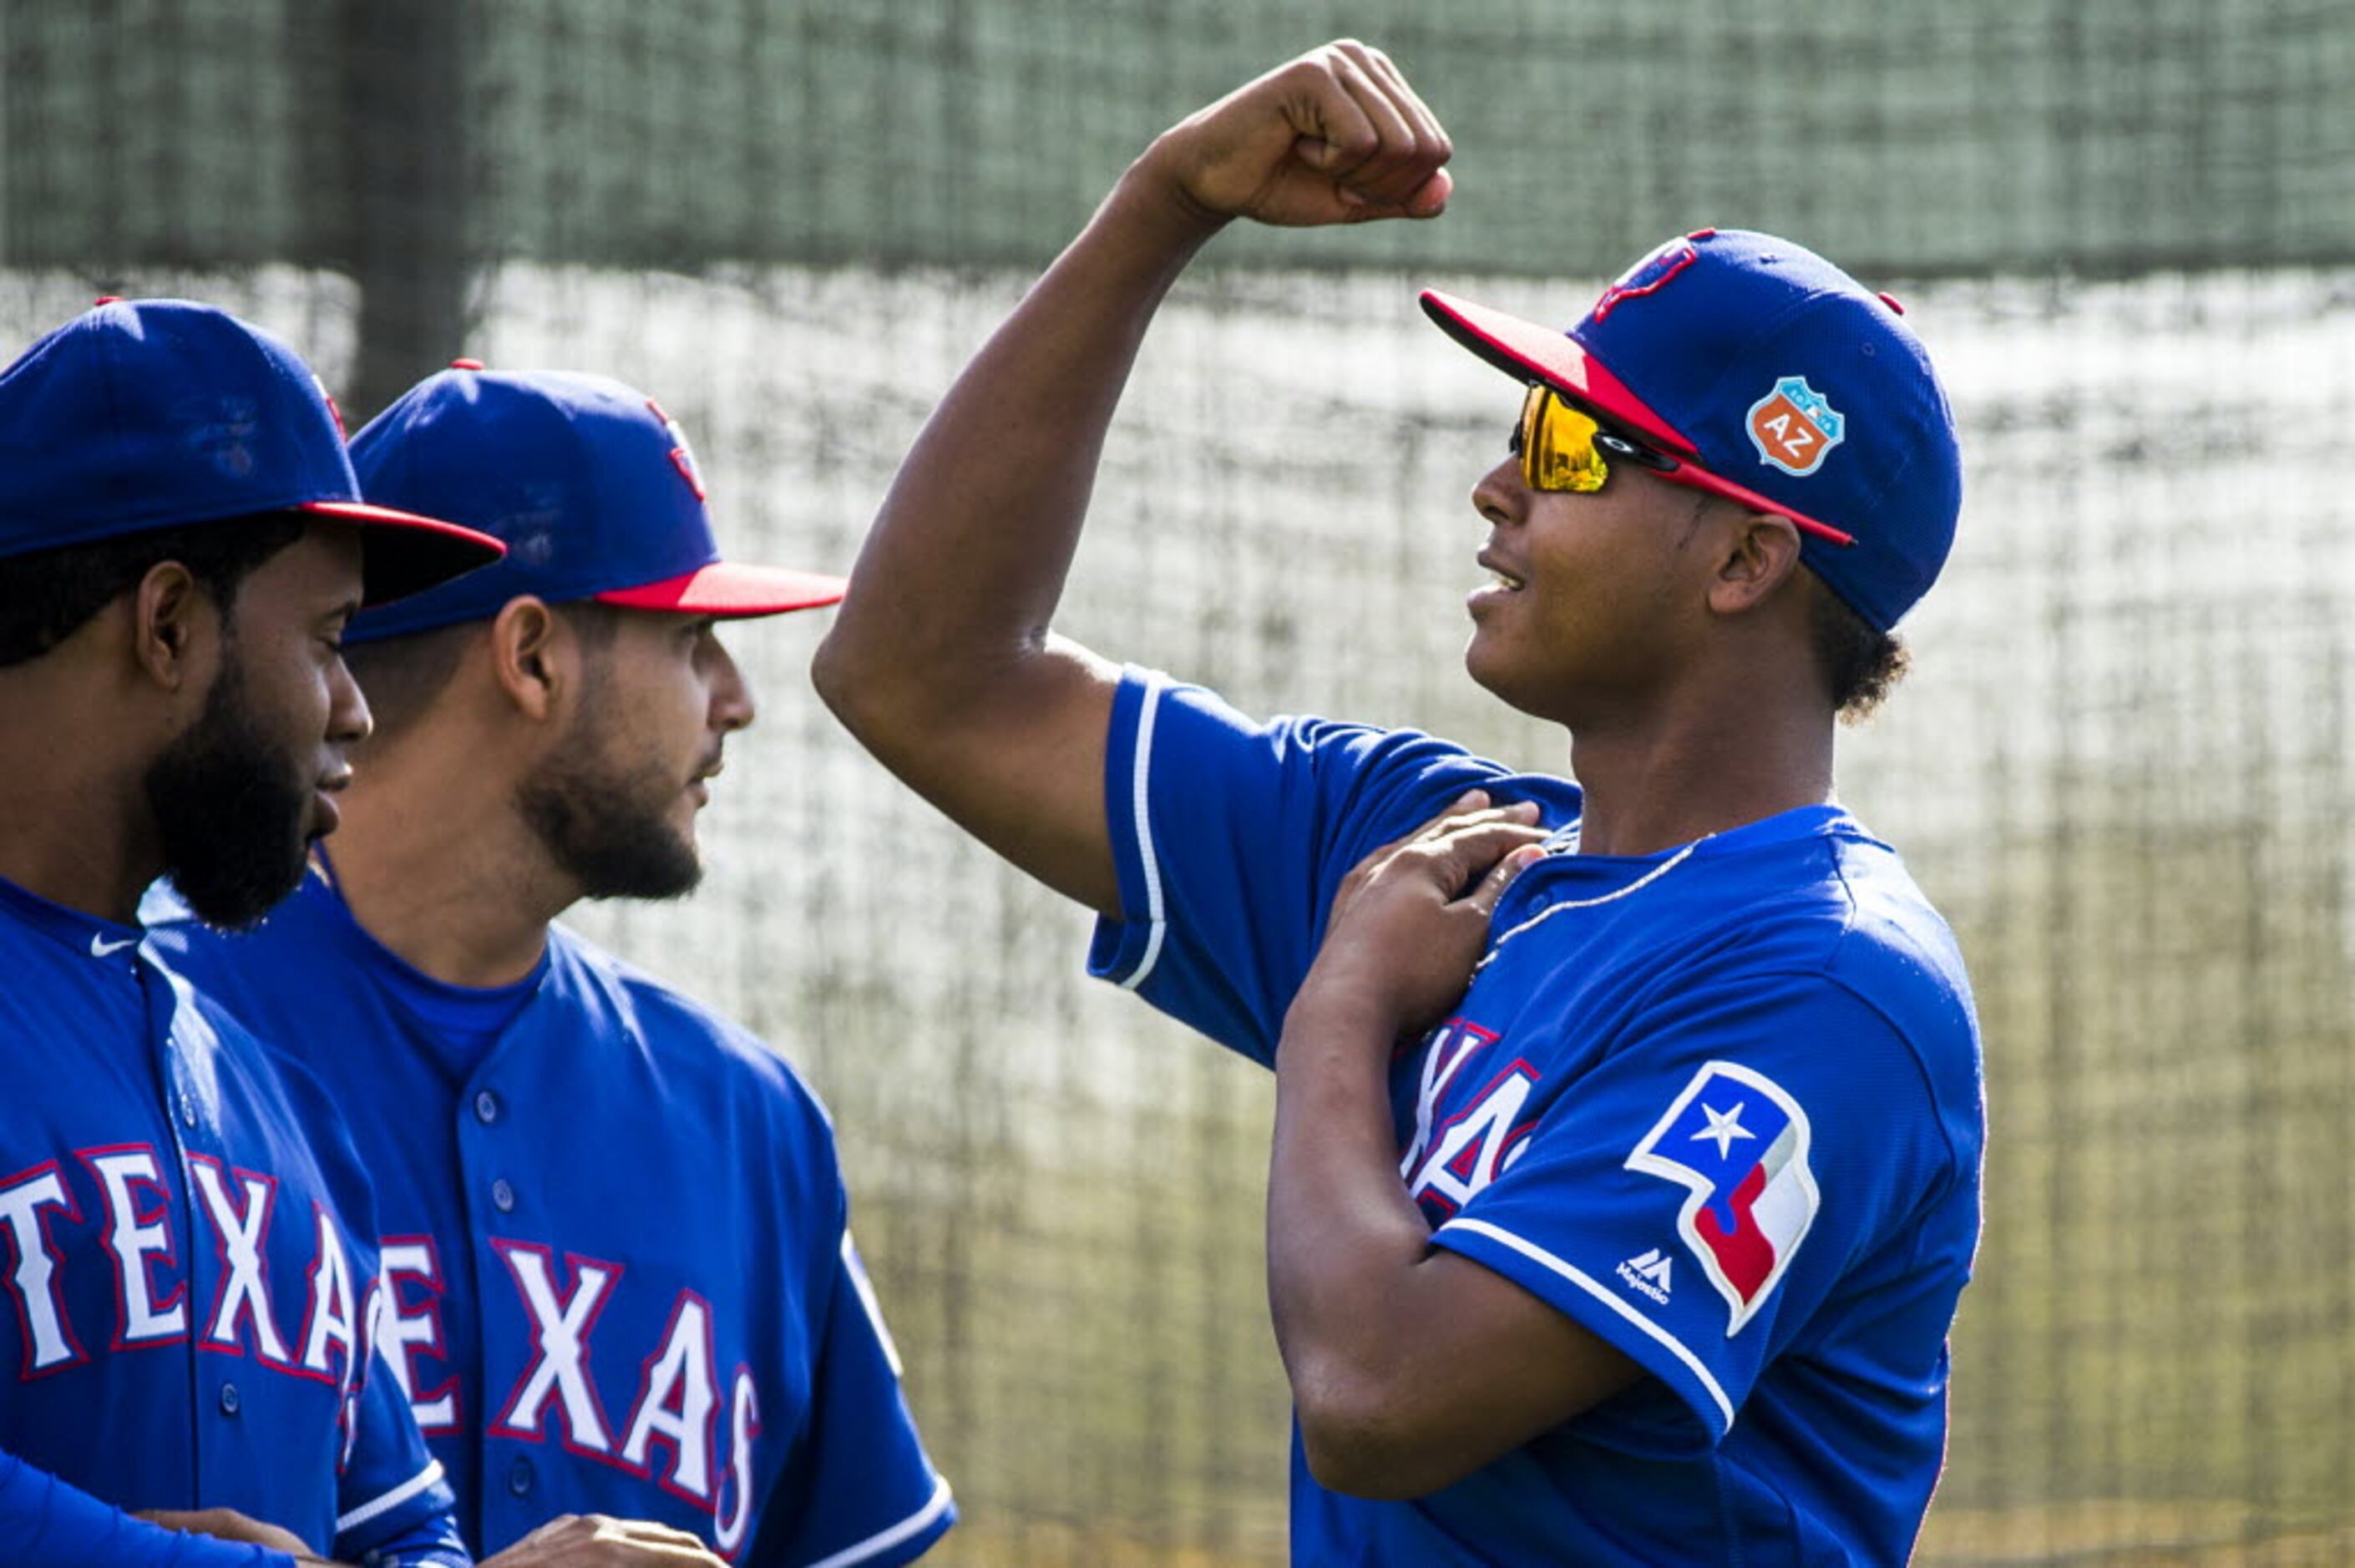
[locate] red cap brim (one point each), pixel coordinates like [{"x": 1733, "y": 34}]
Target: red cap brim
[
  {"x": 402, "y": 553},
  {"x": 731, "y": 592},
  {"x": 1523, "y": 349}
]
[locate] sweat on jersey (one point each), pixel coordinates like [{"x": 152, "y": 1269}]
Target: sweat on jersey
[
  {"x": 619, "y": 1278},
  {"x": 1721, "y": 1106},
  {"x": 190, "y": 1266}
]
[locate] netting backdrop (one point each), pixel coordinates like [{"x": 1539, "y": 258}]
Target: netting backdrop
[{"x": 2122, "y": 766}]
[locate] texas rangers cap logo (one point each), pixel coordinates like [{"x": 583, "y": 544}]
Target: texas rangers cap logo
[
  {"x": 1794, "y": 425},
  {"x": 1739, "y": 1145},
  {"x": 1651, "y": 274},
  {"x": 221, "y": 430},
  {"x": 682, "y": 456}
]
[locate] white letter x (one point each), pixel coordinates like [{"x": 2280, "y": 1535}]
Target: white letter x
[{"x": 560, "y": 1336}]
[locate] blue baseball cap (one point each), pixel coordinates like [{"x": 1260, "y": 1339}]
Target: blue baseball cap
[
  {"x": 1759, "y": 361},
  {"x": 591, "y": 486},
  {"x": 152, "y": 414}
]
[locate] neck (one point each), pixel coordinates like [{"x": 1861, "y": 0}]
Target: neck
[
  {"x": 436, "y": 863},
  {"x": 74, "y": 823},
  {"x": 1665, "y": 780}
]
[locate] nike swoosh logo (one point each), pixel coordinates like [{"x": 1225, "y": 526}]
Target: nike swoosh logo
[{"x": 100, "y": 947}]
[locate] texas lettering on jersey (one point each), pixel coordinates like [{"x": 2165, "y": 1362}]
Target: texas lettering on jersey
[
  {"x": 1447, "y": 1164},
  {"x": 127, "y": 1198},
  {"x": 670, "y": 1432}
]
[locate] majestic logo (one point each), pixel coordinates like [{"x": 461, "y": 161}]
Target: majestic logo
[
  {"x": 1648, "y": 1273},
  {"x": 1794, "y": 427},
  {"x": 1647, "y": 276},
  {"x": 682, "y": 456},
  {"x": 1739, "y": 1145}
]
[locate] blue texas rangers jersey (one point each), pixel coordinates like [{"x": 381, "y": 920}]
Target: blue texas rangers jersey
[
  {"x": 189, "y": 1253},
  {"x": 617, "y": 1264},
  {"x": 1721, "y": 1106}
]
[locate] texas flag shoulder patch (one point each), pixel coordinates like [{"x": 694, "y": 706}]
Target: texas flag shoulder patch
[{"x": 1739, "y": 1145}]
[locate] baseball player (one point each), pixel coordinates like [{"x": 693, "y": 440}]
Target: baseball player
[
  {"x": 189, "y": 1248},
  {"x": 619, "y": 1276},
  {"x": 1627, "y": 1132}
]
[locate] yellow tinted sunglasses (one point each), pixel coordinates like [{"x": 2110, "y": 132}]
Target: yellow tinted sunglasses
[{"x": 1565, "y": 449}]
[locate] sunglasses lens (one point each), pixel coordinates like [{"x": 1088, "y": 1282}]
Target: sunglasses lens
[{"x": 1556, "y": 445}]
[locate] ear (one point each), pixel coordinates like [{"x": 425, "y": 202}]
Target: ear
[
  {"x": 534, "y": 657},
  {"x": 175, "y": 628},
  {"x": 1758, "y": 552}
]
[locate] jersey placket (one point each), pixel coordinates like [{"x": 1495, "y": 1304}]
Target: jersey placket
[
  {"x": 510, "y": 1479},
  {"x": 191, "y": 1131}
]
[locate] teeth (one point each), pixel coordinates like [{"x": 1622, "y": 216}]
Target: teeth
[{"x": 1506, "y": 580}]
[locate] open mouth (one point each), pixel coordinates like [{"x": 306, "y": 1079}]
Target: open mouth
[{"x": 1505, "y": 580}]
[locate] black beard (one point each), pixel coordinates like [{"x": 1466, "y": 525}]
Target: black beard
[
  {"x": 229, "y": 807},
  {"x": 605, "y": 826}
]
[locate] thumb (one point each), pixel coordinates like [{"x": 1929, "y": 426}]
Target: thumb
[{"x": 1500, "y": 876}]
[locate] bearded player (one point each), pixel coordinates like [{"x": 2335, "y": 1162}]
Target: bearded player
[
  {"x": 1627, "y": 1133},
  {"x": 619, "y": 1272},
  {"x": 190, "y": 1255}
]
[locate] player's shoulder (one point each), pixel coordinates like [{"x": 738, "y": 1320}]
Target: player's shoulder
[
  {"x": 1814, "y": 889},
  {"x": 1898, "y": 970},
  {"x": 1814, "y": 910},
  {"x": 1894, "y": 946},
  {"x": 1361, "y": 765},
  {"x": 687, "y": 1039},
  {"x": 291, "y": 1106}
]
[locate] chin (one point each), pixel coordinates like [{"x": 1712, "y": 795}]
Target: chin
[
  {"x": 1490, "y": 672},
  {"x": 1514, "y": 688}
]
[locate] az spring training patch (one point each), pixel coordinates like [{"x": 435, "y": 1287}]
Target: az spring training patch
[{"x": 1795, "y": 427}]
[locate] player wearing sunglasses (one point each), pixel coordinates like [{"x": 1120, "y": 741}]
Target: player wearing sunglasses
[{"x": 1628, "y": 1131}]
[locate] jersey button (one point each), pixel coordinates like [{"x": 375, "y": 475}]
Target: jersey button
[
  {"x": 520, "y": 1477},
  {"x": 502, "y": 1196},
  {"x": 229, "y": 1399},
  {"x": 486, "y": 1108},
  {"x": 187, "y": 1108}
]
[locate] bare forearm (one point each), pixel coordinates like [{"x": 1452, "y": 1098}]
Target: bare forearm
[
  {"x": 940, "y": 659},
  {"x": 1345, "y": 1243}
]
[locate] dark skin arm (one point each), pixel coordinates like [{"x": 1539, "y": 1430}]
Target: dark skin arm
[
  {"x": 1410, "y": 1366},
  {"x": 941, "y": 660},
  {"x": 568, "y": 1541}
]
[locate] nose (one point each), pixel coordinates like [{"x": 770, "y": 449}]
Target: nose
[
  {"x": 732, "y": 707},
  {"x": 348, "y": 719},
  {"x": 1500, "y": 494}
]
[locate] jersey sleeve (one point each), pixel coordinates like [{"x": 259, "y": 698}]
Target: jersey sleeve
[
  {"x": 46, "y": 1523},
  {"x": 434, "y": 1543},
  {"x": 1230, "y": 838},
  {"x": 387, "y": 1486},
  {"x": 860, "y": 1489},
  {"x": 390, "y": 1487},
  {"x": 1698, "y": 1197}
]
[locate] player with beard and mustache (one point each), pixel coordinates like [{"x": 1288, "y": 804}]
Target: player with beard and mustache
[
  {"x": 182, "y": 541},
  {"x": 192, "y": 1234},
  {"x": 620, "y": 1274}
]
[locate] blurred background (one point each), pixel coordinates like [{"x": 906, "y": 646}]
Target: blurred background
[{"x": 2125, "y": 228}]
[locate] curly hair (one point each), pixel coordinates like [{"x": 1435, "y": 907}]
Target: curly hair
[{"x": 1861, "y": 663}]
